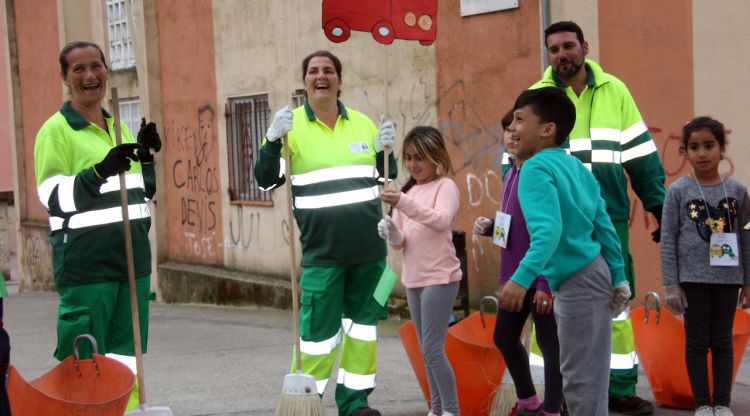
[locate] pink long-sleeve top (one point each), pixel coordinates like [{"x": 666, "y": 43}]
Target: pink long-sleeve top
[{"x": 424, "y": 215}]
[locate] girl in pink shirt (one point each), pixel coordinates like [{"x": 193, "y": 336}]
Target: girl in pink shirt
[{"x": 421, "y": 225}]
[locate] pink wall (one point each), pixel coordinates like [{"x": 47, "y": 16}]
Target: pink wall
[
  {"x": 649, "y": 45},
  {"x": 483, "y": 63},
  {"x": 189, "y": 114},
  {"x": 40, "y": 82},
  {"x": 6, "y": 161}
]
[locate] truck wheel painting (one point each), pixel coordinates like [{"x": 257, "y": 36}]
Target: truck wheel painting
[{"x": 386, "y": 20}]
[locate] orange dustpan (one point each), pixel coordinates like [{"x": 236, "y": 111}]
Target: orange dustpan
[
  {"x": 100, "y": 386},
  {"x": 660, "y": 344},
  {"x": 477, "y": 363}
]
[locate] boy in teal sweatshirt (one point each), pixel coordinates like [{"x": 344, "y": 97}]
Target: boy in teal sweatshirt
[{"x": 573, "y": 244}]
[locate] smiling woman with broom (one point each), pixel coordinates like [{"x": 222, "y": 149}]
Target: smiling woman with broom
[
  {"x": 76, "y": 162},
  {"x": 538, "y": 302},
  {"x": 336, "y": 156}
]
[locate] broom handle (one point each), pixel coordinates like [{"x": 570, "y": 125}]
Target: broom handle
[
  {"x": 292, "y": 253},
  {"x": 129, "y": 258},
  {"x": 386, "y": 150}
]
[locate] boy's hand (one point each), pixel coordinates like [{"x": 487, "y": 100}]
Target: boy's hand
[
  {"x": 482, "y": 226},
  {"x": 543, "y": 302},
  {"x": 620, "y": 296},
  {"x": 745, "y": 297},
  {"x": 511, "y": 296},
  {"x": 390, "y": 196}
]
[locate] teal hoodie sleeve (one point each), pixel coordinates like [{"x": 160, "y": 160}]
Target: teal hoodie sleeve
[{"x": 541, "y": 209}]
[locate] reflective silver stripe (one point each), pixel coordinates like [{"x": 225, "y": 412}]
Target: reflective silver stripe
[
  {"x": 605, "y": 156},
  {"x": 536, "y": 360},
  {"x": 610, "y": 135},
  {"x": 46, "y": 187},
  {"x": 55, "y": 223},
  {"x": 132, "y": 180},
  {"x": 577, "y": 145},
  {"x": 321, "y": 347},
  {"x": 633, "y": 131},
  {"x": 643, "y": 149},
  {"x": 65, "y": 194},
  {"x": 623, "y": 316},
  {"x": 107, "y": 216},
  {"x": 359, "y": 331},
  {"x": 321, "y": 385},
  {"x": 623, "y": 361},
  {"x": 336, "y": 199},
  {"x": 282, "y": 170},
  {"x": 335, "y": 173},
  {"x": 356, "y": 381}
]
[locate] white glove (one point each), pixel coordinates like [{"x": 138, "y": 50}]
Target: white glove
[
  {"x": 482, "y": 225},
  {"x": 388, "y": 231},
  {"x": 620, "y": 296},
  {"x": 386, "y": 136},
  {"x": 676, "y": 299},
  {"x": 281, "y": 124}
]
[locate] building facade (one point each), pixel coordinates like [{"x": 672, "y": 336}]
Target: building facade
[{"x": 212, "y": 73}]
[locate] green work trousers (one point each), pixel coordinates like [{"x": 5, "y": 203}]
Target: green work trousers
[
  {"x": 338, "y": 312},
  {"x": 102, "y": 310}
]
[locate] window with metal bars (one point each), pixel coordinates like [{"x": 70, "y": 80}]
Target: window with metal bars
[
  {"x": 131, "y": 114},
  {"x": 121, "y": 54},
  {"x": 247, "y": 121}
]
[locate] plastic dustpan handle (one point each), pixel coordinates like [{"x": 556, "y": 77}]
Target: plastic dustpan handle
[
  {"x": 94, "y": 347},
  {"x": 646, "y": 307},
  {"x": 483, "y": 302},
  {"x": 90, "y": 338}
]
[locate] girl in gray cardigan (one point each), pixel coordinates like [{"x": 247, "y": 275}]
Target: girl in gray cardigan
[{"x": 705, "y": 256}]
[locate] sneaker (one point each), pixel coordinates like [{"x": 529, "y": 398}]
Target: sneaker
[
  {"x": 366, "y": 411},
  {"x": 722, "y": 411},
  {"x": 705, "y": 411},
  {"x": 630, "y": 405}
]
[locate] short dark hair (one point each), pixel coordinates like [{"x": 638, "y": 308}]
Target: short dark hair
[
  {"x": 321, "y": 54},
  {"x": 714, "y": 126},
  {"x": 564, "y": 27},
  {"x": 76, "y": 44},
  {"x": 551, "y": 105},
  {"x": 507, "y": 119}
]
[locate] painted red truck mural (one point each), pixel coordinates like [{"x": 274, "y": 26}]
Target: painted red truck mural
[{"x": 385, "y": 19}]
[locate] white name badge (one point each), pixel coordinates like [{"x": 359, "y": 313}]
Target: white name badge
[
  {"x": 502, "y": 229},
  {"x": 359, "y": 147},
  {"x": 723, "y": 250}
]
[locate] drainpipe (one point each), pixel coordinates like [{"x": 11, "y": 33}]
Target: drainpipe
[{"x": 544, "y": 9}]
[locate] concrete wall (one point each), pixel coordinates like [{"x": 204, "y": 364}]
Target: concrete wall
[
  {"x": 720, "y": 62},
  {"x": 251, "y": 59}
]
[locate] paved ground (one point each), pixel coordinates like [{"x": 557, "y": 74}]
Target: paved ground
[{"x": 208, "y": 360}]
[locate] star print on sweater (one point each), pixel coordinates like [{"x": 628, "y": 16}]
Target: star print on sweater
[{"x": 709, "y": 219}]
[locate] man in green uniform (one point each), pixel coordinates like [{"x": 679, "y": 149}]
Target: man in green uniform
[{"x": 610, "y": 138}]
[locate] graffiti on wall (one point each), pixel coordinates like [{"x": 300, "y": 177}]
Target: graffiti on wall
[{"x": 194, "y": 175}]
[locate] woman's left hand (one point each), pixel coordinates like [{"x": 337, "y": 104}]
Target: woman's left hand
[
  {"x": 543, "y": 302},
  {"x": 390, "y": 196}
]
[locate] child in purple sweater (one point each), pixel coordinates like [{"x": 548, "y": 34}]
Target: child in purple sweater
[{"x": 538, "y": 301}]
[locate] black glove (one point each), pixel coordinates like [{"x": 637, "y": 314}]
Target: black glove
[
  {"x": 148, "y": 138},
  {"x": 656, "y": 235},
  {"x": 117, "y": 160}
]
